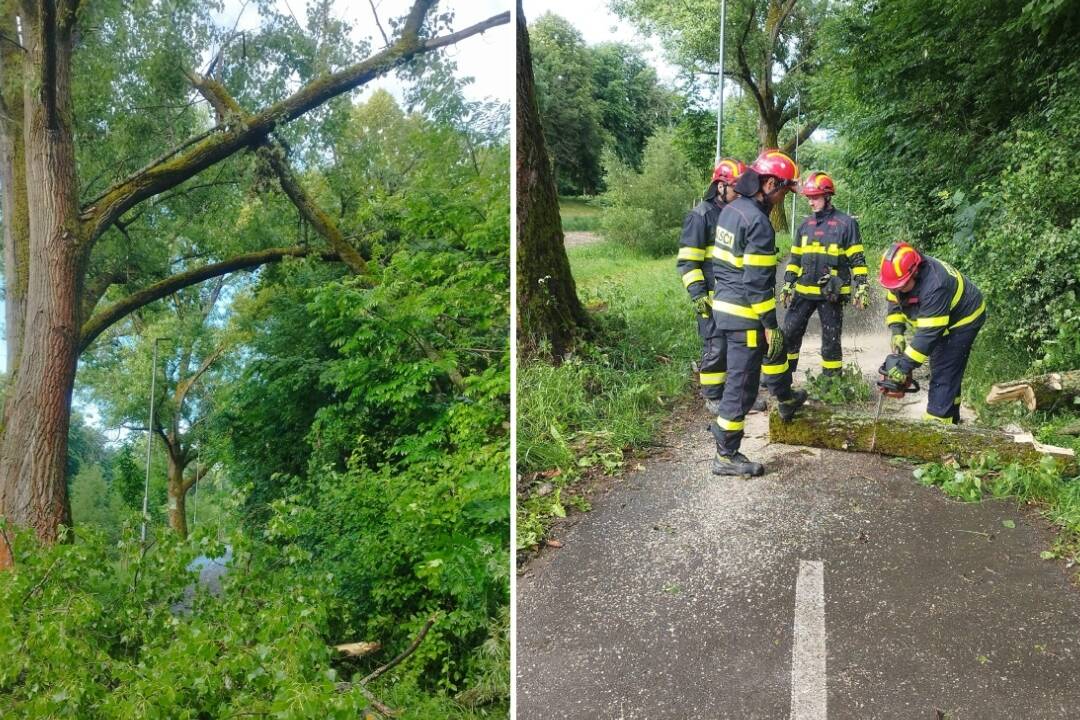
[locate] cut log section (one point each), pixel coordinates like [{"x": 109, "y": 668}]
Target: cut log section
[
  {"x": 926, "y": 441},
  {"x": 1038, "y": 392}
]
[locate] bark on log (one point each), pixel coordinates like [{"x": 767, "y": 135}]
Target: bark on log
[
  {"x": 1041, "y": 391},
  {"x": 927, "y": 441}
]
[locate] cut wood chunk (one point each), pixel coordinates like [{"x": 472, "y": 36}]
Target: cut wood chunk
[
  {"x": 1039, "y": 392},
  {"x": 926, "y": 441},
  {"x": 358, "y": 649}
]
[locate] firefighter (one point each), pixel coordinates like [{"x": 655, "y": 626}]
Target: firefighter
[
  {"x": 946, "y": 311},
  {"x": 744, "y": 307},
  {"x": 695, "y": 268},
  {"x": 825, "y": 269}
]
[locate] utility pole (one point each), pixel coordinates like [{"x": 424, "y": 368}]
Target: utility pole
[
  {"x": 195, "y": 496},
  {"x": 150, "y": 436},
  {"x": 720, "y": 110}
]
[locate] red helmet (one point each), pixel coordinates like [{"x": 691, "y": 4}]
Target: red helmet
[
  {"x": 728, "y": 171},
  {"x": 898, "y": 265},
  {"x": 818, "y": 184},
  {"x": 775, "y": 163}
]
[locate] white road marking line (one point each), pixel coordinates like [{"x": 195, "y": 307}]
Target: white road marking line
[{"x": 808, "y": 653}]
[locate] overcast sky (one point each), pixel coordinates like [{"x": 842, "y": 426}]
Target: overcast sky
[{"x": 598, "y": 24}]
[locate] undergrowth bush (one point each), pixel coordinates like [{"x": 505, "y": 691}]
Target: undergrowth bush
[{"x": 645, "y": 210}]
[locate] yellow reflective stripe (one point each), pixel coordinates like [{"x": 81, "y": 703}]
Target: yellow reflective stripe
[
  {"x": 796, "y": 250},
  {"x": 712, "y": 378},
  {"x": 726, "y": 256},
  {"x": 861, "y": 270},
  {"x": 759, "y": 260},
  {"x": 895, "y": 318},
  {"x": 710, "y": 252},
  {"x": 751, "y": 338},
  {"x": 692, "y": 253},
  {"x": 853, "y": 249},
  {"x": 763, "y": 307},
  {"x": 832, "y": 364},
  {"x": 959, "y": 291},
  {"x": 972, "y": 317},
  {"x": 733, "y": 309},
  {"x": 693, "y": 276},
  {"x": 834, "y": 249},
  {"x": 935, "y": 418},
  {"x": 915, "y": 354},
  {"x": 793, "y": 356},
  {"x": 935, "y": 321},
  {"x": 777, "y": 369},
  {"x": 793, "y": 269},
  {"x": 808, "y": 289},
  {"x": 845, "y": 290},
  {"x": 891, "y": 296},
  {"x": 730, "y": 425}
]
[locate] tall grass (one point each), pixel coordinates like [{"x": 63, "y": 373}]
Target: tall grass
[{"x": 612, "y": 394}]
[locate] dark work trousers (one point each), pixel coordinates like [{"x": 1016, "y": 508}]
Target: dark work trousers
[
  {"x": 832, "y": 325},
  {"x": 712, "y": 370},
  {"x": 948, "y": 360},
  {"x": 746, "y": 366}
]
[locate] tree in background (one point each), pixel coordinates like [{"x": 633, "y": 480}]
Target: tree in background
[
  {"x": 70, "y": 110},
  {"x": 769, "y": 48},
  {"x": 549, "y": 311},
  {"x": 591, "y": 98}
]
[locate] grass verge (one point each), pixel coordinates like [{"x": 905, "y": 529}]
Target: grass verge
[{"x": 612, "y": 394}]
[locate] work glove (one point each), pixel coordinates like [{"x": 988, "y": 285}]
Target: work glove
[
  {"x": 786, "y": 293},
  {"x": 703, "y": 306},
  {"x": 861, "y": 296},
  {"x": 775, "y": 338},
  {"x": 898, "y": 343},
  {"x": 898, "y": 376}
]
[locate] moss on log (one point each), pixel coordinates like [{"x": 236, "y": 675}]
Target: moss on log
[{"x": 927, "y": 441}]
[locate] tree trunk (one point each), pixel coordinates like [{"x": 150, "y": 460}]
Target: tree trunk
[
  {"x": 177, "y": 494},
  {"x": 549, "y": 312},
  {"x": 37, "y": 411},
  {"x": 1044, "y": 392},
  {"x": 769, "y": 134},
  {"x": 927, "y": 441}
]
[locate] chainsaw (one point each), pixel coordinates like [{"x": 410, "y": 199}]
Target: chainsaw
[{"x": 887, "y": 387}]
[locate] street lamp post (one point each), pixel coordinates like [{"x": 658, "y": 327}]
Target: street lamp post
[
  {"x": 720, "y": 110},
  {"x": 149, "y": 436}
]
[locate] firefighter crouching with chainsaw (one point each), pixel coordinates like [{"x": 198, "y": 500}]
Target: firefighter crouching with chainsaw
[
  {"x": 695, "y": 267},
  {"x": 744, "y": 307},
  {"x": 946, "y": 310},
  {"x": 825, "y": 269}
]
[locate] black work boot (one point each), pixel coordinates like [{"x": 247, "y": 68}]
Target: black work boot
[
  {"x": 760, "y": 405},
  {"x": 787, "y": 408},
  {"x": 736, "y": 464},
  {"x": 712, "y": 406}
]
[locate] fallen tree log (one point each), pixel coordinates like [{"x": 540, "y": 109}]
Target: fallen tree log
[
  {"x": 926, "y": 441},
  {"x": 1040, "y": 391}
]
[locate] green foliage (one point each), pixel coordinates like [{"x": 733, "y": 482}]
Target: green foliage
[
  {"x": 646, "y": 209},
  {"x": 610, "y": 395},
  {"x": 850, "y": 386},
  {"x": 579, "y": 215}
]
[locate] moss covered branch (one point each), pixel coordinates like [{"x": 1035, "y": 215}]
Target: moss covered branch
[
  {"x": 927, "y": 441},
  {"x": 215, "y": 148},
  {"x": 120, "y": 309}
]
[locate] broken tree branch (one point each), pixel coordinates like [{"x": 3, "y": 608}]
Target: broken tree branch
[
  {"x": 215, "y": 148},
  {"x": 927, "y": 441},
  {"x": 1043, "y": 392}
]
